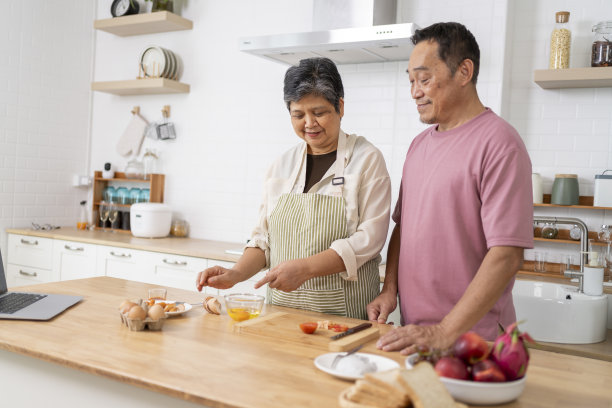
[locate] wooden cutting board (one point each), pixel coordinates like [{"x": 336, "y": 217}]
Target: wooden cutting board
[{"x": 285, "y": 326}]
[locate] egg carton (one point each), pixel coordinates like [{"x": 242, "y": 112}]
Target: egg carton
[{"x": 142, "y": 324}]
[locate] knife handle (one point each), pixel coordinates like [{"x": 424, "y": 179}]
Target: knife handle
[{"x": 352, "y": 330}]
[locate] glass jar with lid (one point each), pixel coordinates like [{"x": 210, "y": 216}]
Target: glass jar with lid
[
  {"x": 560, "y": 41},
  {"x": 605, "y": 232},
  {"x": 601, "y": 51},
  {"x": 550, "y": 231}
]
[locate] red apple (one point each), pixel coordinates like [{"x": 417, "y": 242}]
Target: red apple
[
  {"x": 487, "y": 371},
  {"x": 452, "y": 367},
  {"x": 471, "y": 348}
]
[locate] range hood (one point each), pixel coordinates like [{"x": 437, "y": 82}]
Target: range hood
[{"x": 363, "y": 44}]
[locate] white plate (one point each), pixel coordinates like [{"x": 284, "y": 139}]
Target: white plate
[
  {"x": 479, "y": 393},
  {"x": 187, "y": 307},
  {"x": 324, "y": 361},
  {"x": 153, "y": 55}
]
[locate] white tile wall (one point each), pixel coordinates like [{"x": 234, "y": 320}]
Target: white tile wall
[
  {"x": 234, "y": 123},
  {"x": 45, "y": 69},
  {"x": 565, "y": 130}
]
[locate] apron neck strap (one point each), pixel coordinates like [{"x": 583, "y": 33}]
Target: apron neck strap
[{"x": 338, "y": 180}]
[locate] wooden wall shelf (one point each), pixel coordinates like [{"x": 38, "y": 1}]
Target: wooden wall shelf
[
  {"x": 591, "y": 77},
  {"x": 584, "y": 202},
  {"x": 155, "y": 183},
  {"x": 149, "y": 86},
  {"x": 146, "y": 23}
]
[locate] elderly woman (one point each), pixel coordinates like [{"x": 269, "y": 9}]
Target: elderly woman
[{"x": 325, "y": 214}]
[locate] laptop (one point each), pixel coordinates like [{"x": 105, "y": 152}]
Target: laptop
[{"x": 31, "y": 306}]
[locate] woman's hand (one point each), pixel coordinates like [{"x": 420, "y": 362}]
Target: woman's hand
[
  {"x": 218, "y": 277},
  {"x": 286, "y": 276},
  {"x": 406, "y": 338}
]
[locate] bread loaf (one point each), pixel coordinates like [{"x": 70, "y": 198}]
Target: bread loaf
[{"x": 419, "y": 387}]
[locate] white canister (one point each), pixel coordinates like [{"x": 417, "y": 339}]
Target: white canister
[
  {"x": 536, "y": 185},
  {"x": 602, "y": 196},
  {"x": 593, "y": 280}
]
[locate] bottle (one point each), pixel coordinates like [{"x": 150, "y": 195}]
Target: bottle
[
  {"x": 82, "y": 224},
  {"x": 601, "y": 50},
  {"x": 560, "y": 41}
]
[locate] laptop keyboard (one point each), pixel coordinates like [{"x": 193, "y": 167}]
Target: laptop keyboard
[{"x": 13, "y": 302}]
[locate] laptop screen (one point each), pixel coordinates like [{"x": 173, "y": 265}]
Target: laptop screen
[{"x": 2, "y": 277}]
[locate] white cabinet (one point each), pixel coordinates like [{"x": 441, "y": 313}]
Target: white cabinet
[
  {"x": 29, "y": 260},
  {"x": 21, "y": 275},
  {"x": 74, "y": 260},
  {"x": 176, "y": 271},
  {"x": 130, "y": 264}
]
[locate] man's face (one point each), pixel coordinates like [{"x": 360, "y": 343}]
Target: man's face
[{"x": 432, "y": 86}]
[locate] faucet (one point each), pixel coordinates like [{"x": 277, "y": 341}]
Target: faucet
[{"x": 584, "y": 233}]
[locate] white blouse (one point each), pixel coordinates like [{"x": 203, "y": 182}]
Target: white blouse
[{"x": 366, "y": 191}]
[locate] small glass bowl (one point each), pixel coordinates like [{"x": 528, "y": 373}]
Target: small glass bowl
[{"x": 243, "y": 306}]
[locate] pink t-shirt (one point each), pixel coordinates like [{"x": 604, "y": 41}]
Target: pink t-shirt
[{"x": 463, "y": 191}]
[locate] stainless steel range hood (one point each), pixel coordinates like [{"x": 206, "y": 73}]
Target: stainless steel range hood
[{"x": 363, "y": 44}]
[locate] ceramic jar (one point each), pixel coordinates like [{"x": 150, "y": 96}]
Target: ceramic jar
[
  {"x": 536, "y": 185},
  {"x": 565, "y": 190}
]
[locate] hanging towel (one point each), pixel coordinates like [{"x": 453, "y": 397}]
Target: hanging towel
[{"x": 132, "y": 138}]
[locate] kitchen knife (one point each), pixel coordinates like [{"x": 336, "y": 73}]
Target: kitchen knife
[{"x": 352, "y": 330}]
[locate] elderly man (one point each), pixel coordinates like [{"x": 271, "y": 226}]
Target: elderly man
[{"x": 464, "y": 213}]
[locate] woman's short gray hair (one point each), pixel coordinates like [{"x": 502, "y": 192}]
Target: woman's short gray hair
[{"x": 314, "y": 76}]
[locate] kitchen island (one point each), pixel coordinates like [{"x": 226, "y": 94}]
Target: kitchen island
[{"x": 86, "y": 355}]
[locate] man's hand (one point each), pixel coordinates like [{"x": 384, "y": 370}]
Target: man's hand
[
  {"x": 406, "y": 338},
  {"x": 381, "y": 307},
  {"x": 286, "y": 276}
]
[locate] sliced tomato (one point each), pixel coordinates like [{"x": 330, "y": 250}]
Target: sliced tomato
[
  {"x": 337, "y": 327},
  {"x": 308, "y": 327}
]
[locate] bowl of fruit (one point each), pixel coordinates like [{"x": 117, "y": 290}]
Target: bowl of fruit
[{"x": 476, "y": 373}]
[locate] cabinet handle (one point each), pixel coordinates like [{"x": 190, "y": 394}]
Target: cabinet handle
[
  {"x": 32, "y": 274},
  {"x": 71, "y": 248},
  {"x": 120, "y": 255},
  {"x": 25, "y": 241},
  {"x": 177, "y": 263}
]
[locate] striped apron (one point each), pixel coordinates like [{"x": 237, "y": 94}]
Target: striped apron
[{"x": 302, "y": 225}]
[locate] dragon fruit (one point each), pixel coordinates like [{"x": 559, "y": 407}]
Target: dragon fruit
[{"x": 510, "y": 352}]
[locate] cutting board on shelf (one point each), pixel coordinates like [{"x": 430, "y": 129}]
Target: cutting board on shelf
[{"x": 285, "y": 326}]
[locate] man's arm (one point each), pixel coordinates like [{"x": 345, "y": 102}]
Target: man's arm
[
  {"x": 495, "y": 272},
  {"x": 386, "y": 302}
]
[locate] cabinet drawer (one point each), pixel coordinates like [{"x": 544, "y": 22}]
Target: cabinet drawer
[
  {"x": 123, "y": 263},
  {"x": 74, "y": 260},
  {"x": 19, "y": 275},
  {"x": 29, "y": 251},
  {"x": 177, "y": 271}
]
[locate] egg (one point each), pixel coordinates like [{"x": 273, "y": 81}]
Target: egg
[
  {"x": 156, "y": 312},
  {"x": 137, "y": 312},
  {"x": 126, "y": 305}
]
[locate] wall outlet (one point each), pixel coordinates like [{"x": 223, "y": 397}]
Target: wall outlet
[{"x": 80, "y": 181}]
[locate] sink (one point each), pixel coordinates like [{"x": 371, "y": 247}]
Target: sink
[{"x": 557, "y": 313}]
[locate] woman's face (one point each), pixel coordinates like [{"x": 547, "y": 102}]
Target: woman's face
[{"x": 316, "y": 121}]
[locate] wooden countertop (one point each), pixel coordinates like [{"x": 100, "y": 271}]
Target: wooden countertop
[
  {"x": 199, "y": 248},
  {"x": 198, "y": 357}
]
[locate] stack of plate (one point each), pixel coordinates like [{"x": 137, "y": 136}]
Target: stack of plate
[{"x": 158, "y": 62}]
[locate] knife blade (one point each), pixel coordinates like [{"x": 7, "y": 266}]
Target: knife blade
[{"x": 352, "y": 330}]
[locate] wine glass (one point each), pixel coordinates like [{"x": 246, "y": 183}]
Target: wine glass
[
  {"x": 104, "y": 211},
  {"x": 112, "y": 215}
]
